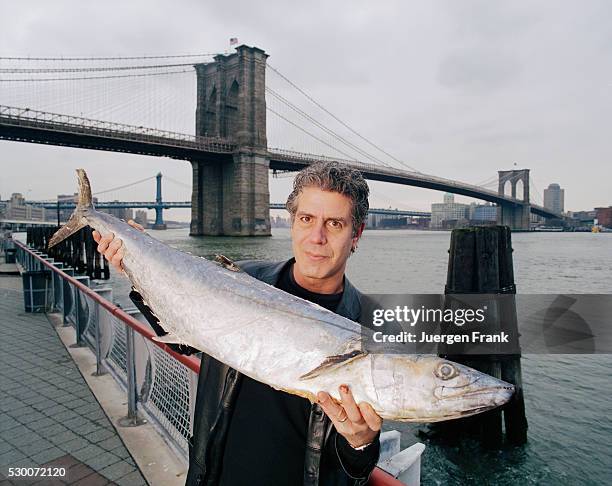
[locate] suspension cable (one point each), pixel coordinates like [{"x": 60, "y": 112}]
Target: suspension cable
[
  {"x": 311, "y": 134},
  {"x": 188, "y": 186},
  {"x": 324, "y": 128},
  {"x": 124, "y": 186},
  {"x": 91, "y": 69},
  {"x": 80, "y": 78},
  {"x": 339, "y": 120},
  {"x": 118, "y": 58}
]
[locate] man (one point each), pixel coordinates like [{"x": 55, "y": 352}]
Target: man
[{"x": 245, "y": 432}]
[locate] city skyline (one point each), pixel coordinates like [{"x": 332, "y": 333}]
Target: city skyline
[
  {"x": 461, "y": 91},
  {"x": 445, "y": 198}
]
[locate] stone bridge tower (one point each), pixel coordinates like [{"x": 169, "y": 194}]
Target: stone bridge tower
[
  {"x": 230, "y": 193},
  {"x": 516, "y": 216}
]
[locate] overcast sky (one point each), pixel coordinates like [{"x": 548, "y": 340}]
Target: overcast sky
[{"x": 458, "y": 89}]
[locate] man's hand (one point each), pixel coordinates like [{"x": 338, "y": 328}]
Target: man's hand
[
  {"x": 358, "y": 424},
  {"x": 112, "y": 248}
]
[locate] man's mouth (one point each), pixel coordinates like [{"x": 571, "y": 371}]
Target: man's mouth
[{"x": 315, "y": 257}]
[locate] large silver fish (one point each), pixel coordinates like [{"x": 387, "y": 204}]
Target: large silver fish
[{"x": 279, "y": 339}]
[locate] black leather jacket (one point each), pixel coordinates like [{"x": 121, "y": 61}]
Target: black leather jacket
[{"x": 218, "y": 386}]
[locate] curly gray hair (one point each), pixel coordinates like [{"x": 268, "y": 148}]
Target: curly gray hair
[{"x": 333, "y": 177}]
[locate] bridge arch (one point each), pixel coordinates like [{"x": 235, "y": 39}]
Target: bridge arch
[
  {"x": 210, "y": 116},
  {"x": 231, "y": 110},
  {"x": 507, "y": 188},
  {"x": 519, "y": 190},
  {"x": 517, "y": 215}
]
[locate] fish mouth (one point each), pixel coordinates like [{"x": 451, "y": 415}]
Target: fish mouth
[
  {"x": 467, "y": 412},
  {"x": 442, "y": 418},
  {"x": 441, "y": 392},
  {"x": 463, "y": 413}
]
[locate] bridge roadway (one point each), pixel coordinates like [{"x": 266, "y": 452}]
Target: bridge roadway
[
  {"x": 25, "y": 125},
  {"x": 187, "y": 204}
]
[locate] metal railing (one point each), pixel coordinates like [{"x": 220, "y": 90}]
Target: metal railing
[
  {"x": 25, "y": 117},
  {"x": 158, "y": 382}
]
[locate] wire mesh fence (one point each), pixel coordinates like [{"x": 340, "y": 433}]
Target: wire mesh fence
[{"x": 163, "y": 388}]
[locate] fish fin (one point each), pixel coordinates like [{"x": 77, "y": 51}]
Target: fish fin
[
  {"x": 227, "y": 263},
  {"x": 332, "y": 362},
  {"x": 168, "y": 339},
  {"x": 76, "y": 221}
]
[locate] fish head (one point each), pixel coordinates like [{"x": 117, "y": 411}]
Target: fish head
[{"x": 432, "y": 389}]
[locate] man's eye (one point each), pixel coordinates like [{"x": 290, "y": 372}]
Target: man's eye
[
  {"x": 335, "y": 224},
  {"x": 305, "y": 219}
]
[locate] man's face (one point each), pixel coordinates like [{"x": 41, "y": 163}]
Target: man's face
[{"x": 322, "y": 234}]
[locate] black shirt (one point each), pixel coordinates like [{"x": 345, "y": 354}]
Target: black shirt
[{"x": 266, "y": 441}]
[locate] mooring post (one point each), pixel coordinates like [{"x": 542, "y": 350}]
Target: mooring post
[
  {"x": 90, "y": 252},
  {"x": 515, "y": 420},
  {"x": 480, "y": 261}
]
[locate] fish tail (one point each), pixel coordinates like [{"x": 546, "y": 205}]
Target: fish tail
[{"x": 76, "y": 221}]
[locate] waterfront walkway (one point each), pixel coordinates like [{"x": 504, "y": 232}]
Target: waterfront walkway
[{"x": 48, "y": 415}]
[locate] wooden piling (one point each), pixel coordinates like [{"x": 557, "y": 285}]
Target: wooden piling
[
  {"x": 77, "y": 251},
  {"x": 480, "y": 261}
]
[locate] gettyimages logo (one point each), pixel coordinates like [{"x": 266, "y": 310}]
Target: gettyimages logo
[
  {"x": 487, "y": 324},
  {"x": 412, "y": 317}
]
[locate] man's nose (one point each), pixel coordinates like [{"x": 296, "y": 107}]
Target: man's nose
[{"x": 318, "y": 234}]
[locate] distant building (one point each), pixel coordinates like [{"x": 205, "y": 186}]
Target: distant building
[
  {"x": 17, "y": 208},
  {"x": 604, "y": 216},
  {"x": 141, "y": 218},
  {"x": 482, "y": 213},
  {"x": 584, "y": 217},
  {"x": 374, "y": 220},
  {"x": 449, "y": 210},
  {"x": 554, "y": 198},
  {"x": 121, "y": 213},
  {"x": 279, "y": 222},
  {"x": 65, "y": 212}
]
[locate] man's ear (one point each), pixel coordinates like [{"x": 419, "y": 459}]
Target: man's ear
[
  {"x": 356, "y": 237},
  {"x": 359, "y": 232}
]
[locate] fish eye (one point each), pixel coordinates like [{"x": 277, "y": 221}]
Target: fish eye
[{"x": 446, "y": 371}]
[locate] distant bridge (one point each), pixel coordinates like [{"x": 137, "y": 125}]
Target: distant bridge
[{"x": 187, "y": 204}]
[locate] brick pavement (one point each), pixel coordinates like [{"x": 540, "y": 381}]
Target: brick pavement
[{"x": 48, "y": 415}]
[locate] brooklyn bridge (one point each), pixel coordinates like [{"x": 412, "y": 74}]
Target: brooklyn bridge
[{"x": 228, "y": 149}]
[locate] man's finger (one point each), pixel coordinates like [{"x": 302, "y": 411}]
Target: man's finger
[
  {"x": 104, "y": 242},
  {"x": 370, "y": 416},
  {"x": 96, "y": 236},
  {"x": 332, "y": 409},
  {"x": 116, "y": 260},
  {"x": 112, "y": 249},
  {"x": 134, "y": 224},
  {"x": 351, "y": 408}
]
